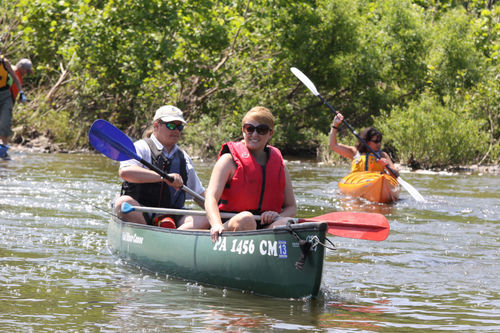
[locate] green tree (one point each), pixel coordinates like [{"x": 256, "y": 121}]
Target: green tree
[
  {"x": 122, "y": 59},
  {"x": 432, "y": 134}
]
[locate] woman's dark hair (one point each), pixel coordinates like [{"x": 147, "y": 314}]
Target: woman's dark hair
[{"x": 367, "y": 135}]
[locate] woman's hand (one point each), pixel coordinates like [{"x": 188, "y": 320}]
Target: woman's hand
[
  {"x": 386, "y": 161},
  {"x": 269, "y": 217},
  {"x": 383, "y": 161},
  {"x": 215, "y": 231},
  {"x": 338, "y": 120}
]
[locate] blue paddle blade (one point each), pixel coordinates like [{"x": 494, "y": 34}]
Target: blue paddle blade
[
  {"x": 127, "y": 208},
  {"x": 112, "y": 142}
]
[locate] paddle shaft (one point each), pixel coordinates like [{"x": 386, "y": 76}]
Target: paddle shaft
[
  {"x": 376, "y": 153},
  {"x": 413, "y": 191},
  {"x": 310, "y": 85},
  {"x": 368, "y": 226},
  {"x": 126, "y": 208},
  {"x": 171, "y": 179}
]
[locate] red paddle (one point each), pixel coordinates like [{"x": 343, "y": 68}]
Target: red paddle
[{"x": 369, "y": 226}]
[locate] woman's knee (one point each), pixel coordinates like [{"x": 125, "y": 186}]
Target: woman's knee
[
  {"x": 245, "y": 221},
  {"x": 193, "y": 222}
]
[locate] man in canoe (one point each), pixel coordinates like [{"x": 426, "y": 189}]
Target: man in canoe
[
  {"x": 142, "y": 186},
  {"x": 362, "y": 158},
  {"x": 250, "y": 177}
]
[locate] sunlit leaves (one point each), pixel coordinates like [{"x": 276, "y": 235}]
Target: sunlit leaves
[
  {"x": 434, "y": 134},
  {"x": 217, "y": 59}
]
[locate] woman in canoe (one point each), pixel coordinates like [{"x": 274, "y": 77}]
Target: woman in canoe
[
  {"x": 250, "y": 177},
  {"x": 362, "y": 158}
]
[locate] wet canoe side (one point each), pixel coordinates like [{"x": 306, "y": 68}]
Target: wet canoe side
[
  {"x": 262, "y": 261},
  {"x": 373, "y": 186}
]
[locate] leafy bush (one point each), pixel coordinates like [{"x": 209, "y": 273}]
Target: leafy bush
[
  {"x": 55, "y": 124},
  {"x": 431, "y": 134},
  {"x": 206, "y": 137},
  {"x": 483, "y": 102},
  {"x": 215, "y": 60},
  {"x": 454, "y": 61}
]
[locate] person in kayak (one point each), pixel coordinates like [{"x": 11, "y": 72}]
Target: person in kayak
[
  {"x": 362, "y": 158},
  {"x": 250, "y": 177},
  {"x": 142, "y": 186}
]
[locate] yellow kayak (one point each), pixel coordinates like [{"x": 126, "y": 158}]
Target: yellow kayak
[{"x": 373, "y": 186}]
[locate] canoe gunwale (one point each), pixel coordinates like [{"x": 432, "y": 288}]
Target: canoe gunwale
[{"x": 321, "y": 226}]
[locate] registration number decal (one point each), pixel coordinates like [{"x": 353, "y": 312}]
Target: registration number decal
[{"x": 248, "y": 246}]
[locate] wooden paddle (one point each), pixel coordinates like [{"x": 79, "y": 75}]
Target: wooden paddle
[
  {"x": 115, "y": 144},
  {"x": 308, "y": 83},
  {"x": 368, "y": 226}
]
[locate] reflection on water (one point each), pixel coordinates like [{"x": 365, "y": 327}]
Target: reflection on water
[
  {"x": 437, "y": 270},
  {"x": 350, "y": 204}
]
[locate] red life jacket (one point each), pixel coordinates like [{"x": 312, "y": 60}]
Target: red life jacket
[{"x": 252, "y": 188}]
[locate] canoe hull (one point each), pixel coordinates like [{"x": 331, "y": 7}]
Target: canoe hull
[
  {"x": 262, "y": 262},
  {"x": 372, "y": 186}
]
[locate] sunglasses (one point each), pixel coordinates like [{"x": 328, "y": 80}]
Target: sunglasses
[
  {"x": 261, "y": 129},
  {"x": 173, "y": 126},
  {"x": 376, "y": 141}
]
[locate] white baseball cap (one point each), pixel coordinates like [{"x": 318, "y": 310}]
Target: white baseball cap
[
  {"x": 26, "y": 64},
  {"x": 168, "y": 113}
]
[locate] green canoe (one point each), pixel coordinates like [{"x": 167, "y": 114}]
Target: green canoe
[{"x": 282, "y": 262}]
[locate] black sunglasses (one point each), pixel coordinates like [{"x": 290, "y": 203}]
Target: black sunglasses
[
  {"x": 376, "y": 141},
  {"x": 173, "y": 126},
  {"x": 261, "y": 129}
]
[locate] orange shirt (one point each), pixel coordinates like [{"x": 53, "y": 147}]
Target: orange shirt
[{"x": 13, "y": 89}]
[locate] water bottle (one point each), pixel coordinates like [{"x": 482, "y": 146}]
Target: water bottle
[{"x": 22, "y": 97}]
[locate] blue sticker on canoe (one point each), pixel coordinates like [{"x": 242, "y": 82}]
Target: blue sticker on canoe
[{"x": 282, "y": 249}]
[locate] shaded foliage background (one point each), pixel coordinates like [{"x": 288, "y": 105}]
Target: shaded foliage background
[{"x": 425, "y": 72}]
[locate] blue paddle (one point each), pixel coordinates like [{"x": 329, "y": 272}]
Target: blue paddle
[
  {"x": 115, "y": 144},
  {"x": 310, "y": 85}
]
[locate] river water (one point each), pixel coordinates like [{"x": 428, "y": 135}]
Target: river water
[{"x": 438, "y": 269}]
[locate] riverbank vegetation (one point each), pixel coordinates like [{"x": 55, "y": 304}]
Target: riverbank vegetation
[{"x": 426, "y": 72}]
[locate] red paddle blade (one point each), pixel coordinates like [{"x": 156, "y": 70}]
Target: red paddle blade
[{"x": 369, "y": 226}]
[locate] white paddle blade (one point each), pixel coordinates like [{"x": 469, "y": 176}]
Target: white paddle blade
[
  {"x": 413, "y": 191},
  {"x": 305, "y": 80}
]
